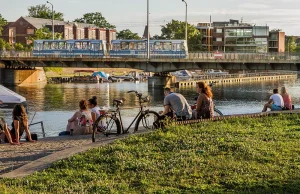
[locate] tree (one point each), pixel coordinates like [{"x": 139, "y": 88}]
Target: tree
[
  {"x": 44, "y": 34},
  {"x": 290, "y": 44},
  {"x": 176, "y": 30},
  {"x": 95, "y": 18},
  {"x": 127, "y": 35},
  {"x": 3, "y": 22},
  {"x": 4, "y": 45},
  {"x": 18, "y": 47},
  {"x": 43, "y": 11}
]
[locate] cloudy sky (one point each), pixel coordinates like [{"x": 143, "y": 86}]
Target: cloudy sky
[{"x": 131, "y": 14}]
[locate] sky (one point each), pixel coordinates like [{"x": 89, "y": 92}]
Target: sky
[{"x": 131, "y": 14}]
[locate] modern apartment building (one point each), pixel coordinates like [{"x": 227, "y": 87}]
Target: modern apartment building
[{"x": 234, "y": 36}]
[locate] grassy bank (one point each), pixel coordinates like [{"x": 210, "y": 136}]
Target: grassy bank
[{"x": 236, "y": 156}]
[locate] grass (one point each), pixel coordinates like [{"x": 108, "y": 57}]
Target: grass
[{"x": 255, "y": 155}]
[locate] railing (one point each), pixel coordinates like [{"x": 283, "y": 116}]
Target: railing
[
  {"x": 42, "y": 125},
  {"x": 213, "y": 56}
]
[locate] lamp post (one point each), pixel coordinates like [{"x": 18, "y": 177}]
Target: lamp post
[
  {"x": 148, "y": 32},
  {"x": 52, "y": 20},
  {"x": 186, "y": 25}
]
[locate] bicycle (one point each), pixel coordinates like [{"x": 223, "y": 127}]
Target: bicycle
[{"x": 111, "y": 121}]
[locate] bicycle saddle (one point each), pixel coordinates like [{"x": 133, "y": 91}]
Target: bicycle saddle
[{"x": 119, "y": 101}]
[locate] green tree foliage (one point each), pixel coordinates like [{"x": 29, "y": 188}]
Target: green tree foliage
[
  {"x": 45, "y": 34},
  {"x": 3, "y": 22},
  {"x": 18, "y": 47},
  {"x": 127, "y": 35},
  {"x": 95, "y": 18},
  {"x": 4, "y": 45},
  {"x": 43, "y": 11},
  {"x": 176, "y": 30},
  {"x": 290, "y": 44}
]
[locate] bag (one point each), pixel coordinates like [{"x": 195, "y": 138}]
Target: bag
[{"x": 33, "y": 137}]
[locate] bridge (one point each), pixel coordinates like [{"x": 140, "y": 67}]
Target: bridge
[{"x": 199, "y": 60}]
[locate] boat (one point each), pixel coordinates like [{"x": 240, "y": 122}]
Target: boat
[
  {"x": 215, "y": 72},
  {"x": 8, "y": 98}
]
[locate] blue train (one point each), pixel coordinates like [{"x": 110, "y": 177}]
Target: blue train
[{"x": 117, "y": 48}]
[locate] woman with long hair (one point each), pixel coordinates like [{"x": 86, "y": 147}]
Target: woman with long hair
[
  {"x": 286, "y": 99},
  {"x": 81, "y": 122},
  {"x": 205, "y": 106},
  {"x": 19, "y": 125}
]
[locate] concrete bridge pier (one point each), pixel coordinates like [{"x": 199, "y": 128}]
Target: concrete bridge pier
[{"x": 160, "y": 81}]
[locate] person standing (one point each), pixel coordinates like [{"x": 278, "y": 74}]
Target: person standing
[
  {"x": 275, "y": 102},
  {"x": 287, "y": 100}
]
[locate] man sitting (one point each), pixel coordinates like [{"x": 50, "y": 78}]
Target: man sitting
[
  {"x": 275, "y": 103},
  {"x": 175, "y": 105}
]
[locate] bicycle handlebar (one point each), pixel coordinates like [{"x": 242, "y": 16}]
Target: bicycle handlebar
[{"x": 132, "y": 91}]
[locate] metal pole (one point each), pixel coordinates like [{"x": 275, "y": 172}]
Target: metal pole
[
  {"x": 186, "y": 24},
  {"x": 148, "y": 32},
  {"x": 52, "y": 20}
]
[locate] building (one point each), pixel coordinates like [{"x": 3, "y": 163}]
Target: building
[
  {"x": 277, "y": 41},
  {"x": 234, "y": 36},
  {"x": 24, "y": 27}
]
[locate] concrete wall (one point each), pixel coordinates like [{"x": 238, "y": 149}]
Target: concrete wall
[
  {"x": 161, "y": 81},
  {"x": 23, "y": 77}
]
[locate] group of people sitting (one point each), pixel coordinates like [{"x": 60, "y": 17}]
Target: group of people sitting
[
  {"x": 278, "y": 101},
  {"x": 19, "y": 125},
  {"x": 81, "y": 122},
  {"x": 175, "y": 105}
]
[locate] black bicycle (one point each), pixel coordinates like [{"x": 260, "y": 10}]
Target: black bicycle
[{"x": 111, "y": 122}]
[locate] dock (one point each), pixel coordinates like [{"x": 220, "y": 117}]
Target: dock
[{"x": 235, "y": 78}]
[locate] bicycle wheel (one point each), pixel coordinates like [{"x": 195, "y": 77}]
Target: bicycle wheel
[
  {"x": 217, "y": 112},
  {"x": 146, "y": 120},
  {"x": 106, "y": 124}
]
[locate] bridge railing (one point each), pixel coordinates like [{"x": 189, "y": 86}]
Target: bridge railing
[
  {"x": 157, "y": 55},
  {"x": 244, "y": 56}
]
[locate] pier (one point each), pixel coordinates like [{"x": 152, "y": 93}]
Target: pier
[{"x": 236, "y": 78}]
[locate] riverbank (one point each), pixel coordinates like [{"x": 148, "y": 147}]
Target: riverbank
[{"x": 250, "y": 155}]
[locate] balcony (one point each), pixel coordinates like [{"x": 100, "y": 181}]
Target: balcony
[
  {"x": 218, "y": 43},
  {"x": 217, "y": 35}
]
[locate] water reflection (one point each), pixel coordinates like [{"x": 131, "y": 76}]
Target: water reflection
[{"x": 55, "y": 103}]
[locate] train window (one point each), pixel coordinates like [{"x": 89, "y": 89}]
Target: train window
[
  {"x": 166, "y": 46},
  {"x": 158, "y": 46},
  {"x": 141, "y": 46},
  {"x": 182, "y": 47},
  {"x": 54, "y": 45},
  {"x": 174, "y": 47},
  {"x": 62, "y": 45},
  {"x": 124, "y": 45},
  {"x": 100, "y": 46},
  {"x": 132, "y": 46},
  {"x": 116, "y": 47},
  {"x": 77, "y": 45},
  {"x": 85, "y": 45},
  {"x": 46, "y": 46}
]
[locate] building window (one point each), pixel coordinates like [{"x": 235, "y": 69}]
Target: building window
[
  {"x": 219, "y": 39},
  {"x": 219, "y": 30},
  {"x": 30, "y": 31}
]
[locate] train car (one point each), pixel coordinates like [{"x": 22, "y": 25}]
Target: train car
[
  {"x": 68, "y": 48},
  {"x": 158, "y": 48}
]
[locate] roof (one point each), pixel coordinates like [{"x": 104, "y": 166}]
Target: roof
[
  {"x": 8, "y": 96},
  {"x": 40, "y": 22}
]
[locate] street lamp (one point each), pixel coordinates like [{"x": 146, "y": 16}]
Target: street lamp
[
  {"x": 148, "y": 32},
  {"x": 52, "y": 21},
  {"x": 186, "y": 25}
]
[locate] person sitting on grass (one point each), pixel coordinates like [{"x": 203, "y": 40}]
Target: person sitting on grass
[
  {"x": 19, "y": 125},
  {"x": 275, "y": 102},
  {"x": 81, "y": 122},
  {"x": 205, "y": 105},
  {"x": 288, "y": 105}
]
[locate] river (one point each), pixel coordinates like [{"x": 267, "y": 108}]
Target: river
[{"x": 54, "y": 104}]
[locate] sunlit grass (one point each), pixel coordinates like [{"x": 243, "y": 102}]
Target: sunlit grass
[{"x": 255, "y": 155}]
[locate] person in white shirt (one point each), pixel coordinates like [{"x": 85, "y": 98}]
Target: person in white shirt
[
  {"x": 275, "y": 102},
  {"x": 92, "y": 103}
]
